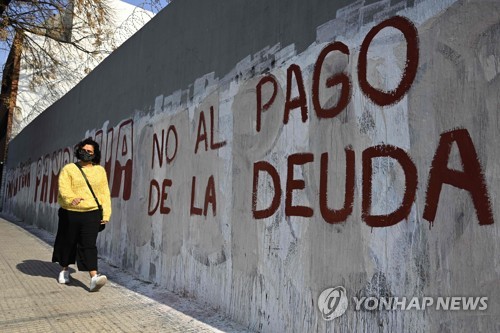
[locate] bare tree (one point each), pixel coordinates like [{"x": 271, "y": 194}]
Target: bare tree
[
  {"x": 36, "y": 33},
  {"x": 52, "y": 66},
  {"x": 67, "y": 23}
]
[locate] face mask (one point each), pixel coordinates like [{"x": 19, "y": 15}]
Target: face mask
[{"x": 85, "y": 156}]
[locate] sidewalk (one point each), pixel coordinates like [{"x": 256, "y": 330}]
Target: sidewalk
[{"x": 31, "y": 300}]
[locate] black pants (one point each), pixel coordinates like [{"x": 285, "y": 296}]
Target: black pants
[{"x": 76, "y": 239}]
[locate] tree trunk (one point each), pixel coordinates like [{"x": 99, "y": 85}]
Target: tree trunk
[{"x": 8, "y": 95}]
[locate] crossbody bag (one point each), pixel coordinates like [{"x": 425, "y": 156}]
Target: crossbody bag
[{"x": 101, "y": 226}]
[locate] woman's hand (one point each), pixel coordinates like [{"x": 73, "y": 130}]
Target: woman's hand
[
  {"x": 104, "y": 222},
  {"x": 76, "y": 201}
]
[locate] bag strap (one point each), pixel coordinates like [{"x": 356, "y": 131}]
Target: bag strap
[{"x": 90, "y": 187}]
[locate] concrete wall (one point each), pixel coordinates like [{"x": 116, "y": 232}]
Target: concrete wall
[{"x": 260, "y": 152}]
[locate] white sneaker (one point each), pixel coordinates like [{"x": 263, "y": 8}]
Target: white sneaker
[
  {"x": 64, "y": 277},
  {"x": 97, "y": 282}
]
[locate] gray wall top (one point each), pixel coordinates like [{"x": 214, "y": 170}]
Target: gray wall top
[{"x": 197, "y": 37}]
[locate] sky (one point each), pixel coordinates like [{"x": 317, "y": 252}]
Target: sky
[
  {"x": 135, "y": 2},
  {"x": 143, "y": 3}
]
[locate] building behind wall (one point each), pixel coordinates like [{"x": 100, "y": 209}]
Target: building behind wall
[{"x": 33, "y": 99}]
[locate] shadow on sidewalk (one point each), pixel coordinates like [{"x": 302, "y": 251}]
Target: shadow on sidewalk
[
  {"x": 46, "y": 269},
  {"x": 188, "y": 306}
]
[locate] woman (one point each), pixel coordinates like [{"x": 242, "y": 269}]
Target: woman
[{"x": 79, "y": 216}]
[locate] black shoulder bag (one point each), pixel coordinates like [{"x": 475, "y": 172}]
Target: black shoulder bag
[{"x": 101, "y": 226}]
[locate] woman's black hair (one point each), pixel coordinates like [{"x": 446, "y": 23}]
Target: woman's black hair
[{"x": 89, "y": 141}]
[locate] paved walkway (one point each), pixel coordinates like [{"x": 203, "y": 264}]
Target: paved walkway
[{"x": 31, "y": 300}]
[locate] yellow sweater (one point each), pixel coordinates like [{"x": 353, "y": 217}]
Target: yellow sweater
[{"x": 72, "y": 185}]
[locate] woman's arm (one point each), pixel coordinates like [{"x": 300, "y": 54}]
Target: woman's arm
[{"x": 106, "y": 197}]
